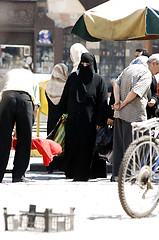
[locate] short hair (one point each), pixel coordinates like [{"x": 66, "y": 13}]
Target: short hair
[
  {"x": 144, "y": 51},
  {"x": 153, "y": 57}
]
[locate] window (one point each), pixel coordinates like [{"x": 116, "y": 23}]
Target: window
[
  {"x": 44, "y": 52},
  {"x": 13, "y": 56},
  {"x": 155, "y": 46},
  {"x": 112, "y": 59}
]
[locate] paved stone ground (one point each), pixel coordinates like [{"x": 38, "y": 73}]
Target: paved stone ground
[{"x": 98, "y": 212}]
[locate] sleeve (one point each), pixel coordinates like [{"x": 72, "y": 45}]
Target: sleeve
[
  {"x": 154, "y": 88},
  {"x": 36, "y": 94},
  {"x": 111, "y": 102},
  {"x": 158, "y": 89},
  {"x": 118, "y": 80},
  {"x": 102, "y": 106},
  {"x": 142, "y": 84}
]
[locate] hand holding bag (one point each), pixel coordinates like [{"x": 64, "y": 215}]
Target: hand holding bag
[{"x": 58, "y": 133}]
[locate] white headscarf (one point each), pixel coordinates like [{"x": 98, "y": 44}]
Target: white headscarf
[
  {"x": 76, "y": 51},
  {"x": 54, "y": 87}
]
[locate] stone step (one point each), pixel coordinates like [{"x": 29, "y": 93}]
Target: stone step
[
  {"x": 42, "y": 127},
  {"x": 37, "y": 167}
]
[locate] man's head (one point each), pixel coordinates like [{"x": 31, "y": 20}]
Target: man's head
[
  {"x": 141, "y": 52},
  {"x": 153, "y": 62}
]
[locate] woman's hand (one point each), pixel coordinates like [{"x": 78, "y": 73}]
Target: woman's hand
[
  {"x": 110, "y": 122},
  {"x": 151, "y": 103},
  {"x": 98, "y": 127}
]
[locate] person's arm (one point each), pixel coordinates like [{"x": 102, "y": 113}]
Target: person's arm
[
  {"x": 101, "y": 104},
  {"x": 116, "y": 91},
  {"x": 129, "y": 98},
  {"x": 36, "y": 108}
]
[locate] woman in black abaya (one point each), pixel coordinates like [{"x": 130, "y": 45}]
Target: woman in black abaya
[{"x": 85, "y": 100}]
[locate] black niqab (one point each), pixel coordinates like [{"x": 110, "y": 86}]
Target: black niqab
[{"x": 85, "y": 75}]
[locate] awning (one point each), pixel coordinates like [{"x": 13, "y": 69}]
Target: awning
[{"x": 120, "y": 20}]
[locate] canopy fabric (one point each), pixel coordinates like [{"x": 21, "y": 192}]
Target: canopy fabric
[
  {"x": 64, "y": 12},
  {"x": 120, "y": 20}
]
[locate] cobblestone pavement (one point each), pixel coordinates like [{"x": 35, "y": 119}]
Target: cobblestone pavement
[{"x": 98, "y": 212}]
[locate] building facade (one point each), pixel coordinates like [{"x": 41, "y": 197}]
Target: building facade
[{"x": 28, "y": 35}]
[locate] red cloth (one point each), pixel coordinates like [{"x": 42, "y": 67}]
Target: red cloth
[{"x": 46, "y": 147}]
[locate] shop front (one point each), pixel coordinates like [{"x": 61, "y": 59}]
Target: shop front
[
  {"x": 25, "y": 37},
  {"x": 12, "y": 56},
  {"x": 16, "y": 32}
]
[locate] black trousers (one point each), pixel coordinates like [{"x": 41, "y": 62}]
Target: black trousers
[{"x": 16, "y": 106}]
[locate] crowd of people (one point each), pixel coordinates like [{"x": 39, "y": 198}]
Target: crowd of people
[{"x": 83, "y": 95}]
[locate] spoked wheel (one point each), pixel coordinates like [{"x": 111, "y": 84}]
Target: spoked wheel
[{"x": 138, "y": 180}]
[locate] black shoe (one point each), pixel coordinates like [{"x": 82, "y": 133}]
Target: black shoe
[
  {"x": 114, "y": 179},
  {"x": 49, "y": 172},
  {"x": 80, "y": 180},
  {"x": 49, "y": 169},
  {"x": 22, "y": 179}
]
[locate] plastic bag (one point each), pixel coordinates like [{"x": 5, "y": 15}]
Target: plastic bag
[{"x": 104, "y": 140}]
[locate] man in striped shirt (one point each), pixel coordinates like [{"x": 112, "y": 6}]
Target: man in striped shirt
[{"x": 130, "y": 92}]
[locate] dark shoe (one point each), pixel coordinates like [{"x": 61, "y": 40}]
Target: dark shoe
[
  {"x": 114, "y": 179},
  {"x": 80, "y": 180},
  {"x": 68, "y": 176},
  {"x": 49, "y": 172},
  {"x": 22, "y": 179}
]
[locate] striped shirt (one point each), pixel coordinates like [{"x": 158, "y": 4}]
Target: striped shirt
[{"x": 136, "y": 78}]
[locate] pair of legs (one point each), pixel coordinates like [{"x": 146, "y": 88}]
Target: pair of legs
[
  {"x": 121, "y": 140},
  {"x": 16, "y": 107}
]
